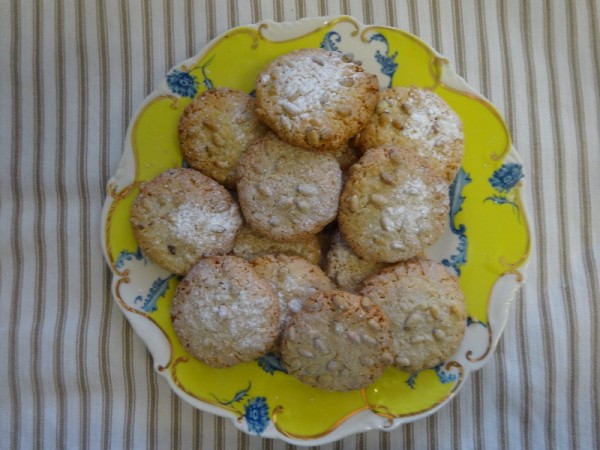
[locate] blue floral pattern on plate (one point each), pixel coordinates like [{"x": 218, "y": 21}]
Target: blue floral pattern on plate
[
  {"x": 443, "y": 376},
  {"x": 148, "y": 302},
  {"x": 456, "y": 201},
  {"x": 256, "y": 413},
  {"x": 126, "y": 256},
  {"x": 330, "y": 40},
  {"x": 238, "y": 397},
  {"x": 157, "y": 290},
  {"x": 207, "y": 82},
  {"x": 271, "y": 363},
  {"x": 506, "y": 177},
  {"x": 182, "y": 83},
  {"x": 386, "y": 60},
  {"x": 255, "y": 410},
  {"x": 503, "y": 180}
]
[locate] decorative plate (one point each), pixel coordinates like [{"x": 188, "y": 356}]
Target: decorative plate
[{"x": 487, "y": 242}]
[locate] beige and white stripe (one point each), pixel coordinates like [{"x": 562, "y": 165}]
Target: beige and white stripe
[{"x": 72, "y": 73}]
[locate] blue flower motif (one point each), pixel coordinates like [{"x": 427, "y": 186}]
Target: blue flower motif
[
  {"x": 506, "y": 177},
  {"x": 444, "y": 376},
  {"x": 182, "y": 83},
  {"x": 256, "y": 413},
  {"x": 329, "y": 41}
]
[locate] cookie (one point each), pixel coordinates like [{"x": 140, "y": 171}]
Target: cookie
[
  {"x": 346, "y": 155},
  {"x": 249, "y": 244},
  {"x": 181, "y": 216},
  {"x": 338, "y": 341},
  {"x": 293, "y": 279},
  {"x": 420, "y": 121},
  {"x": 426, "y": 309},
  {"x": 286, "y": 192},
  {"x": 224, "y": 313},
  {"x": 346, "y": 268},
  {"x": 215, "y": 129},
  {"x": 393, "y": 205},
  {"x": 315, "y": 98}
]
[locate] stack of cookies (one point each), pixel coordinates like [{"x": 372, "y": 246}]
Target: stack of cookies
[{"x": 300, "y": 226}]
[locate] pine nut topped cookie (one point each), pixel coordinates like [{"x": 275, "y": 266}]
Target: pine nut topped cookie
[
  {"x": 393, "y": 205},
  {"x": 339, "y": 341},
  {"x": 314, "y": 98},
  {"x": 420, "y": 121},
  {"x": 426, "y": 309},
  {"x": 215, "y": 129},
  {"x": 181, "y": 216},
  {"x": 287, "y": 192},
  {"x": 224, "y": 313}
]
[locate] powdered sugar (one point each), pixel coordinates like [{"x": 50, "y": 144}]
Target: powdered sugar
[
  {"x": 200, "y": 226},
  {"x": 228, "y": 308},
  {"x": 411, "y": 217},
  {"x": 295, "y": 305},
  {"x": 306, "y": 83},
  {"x": 413, "y": 186},
  {"x": 431, "y": 122}
]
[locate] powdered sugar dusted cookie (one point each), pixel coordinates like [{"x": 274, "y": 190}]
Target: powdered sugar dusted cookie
[
  {"x": 426, "y": 309},
  {"x": 249, "y": 245},
  {"x": 420, "y": 121},
  {"x": 393, "y": 205},
  {"x": 338, "y": 341},
  {"x": 215, "y": 129},
  {"x": 287, "y": 192},
  {"x": 224, "y": 313},
  {"x": 315, "y": 98},
  {"x": 346, "y": 268},
  {"x": 293, "y": 279},
  {"x": 181, "y": 216}
]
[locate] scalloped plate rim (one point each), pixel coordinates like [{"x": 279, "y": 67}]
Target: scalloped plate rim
[{"x": 367, "y": 420}]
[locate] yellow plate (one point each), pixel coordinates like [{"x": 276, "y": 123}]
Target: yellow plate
[{"x": 487, "y": 242}]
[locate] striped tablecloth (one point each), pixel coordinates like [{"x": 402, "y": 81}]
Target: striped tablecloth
[{"x": 73, "y": 373}]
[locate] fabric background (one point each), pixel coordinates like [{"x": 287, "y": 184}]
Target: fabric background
[{"x": 74, "y": 375}]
